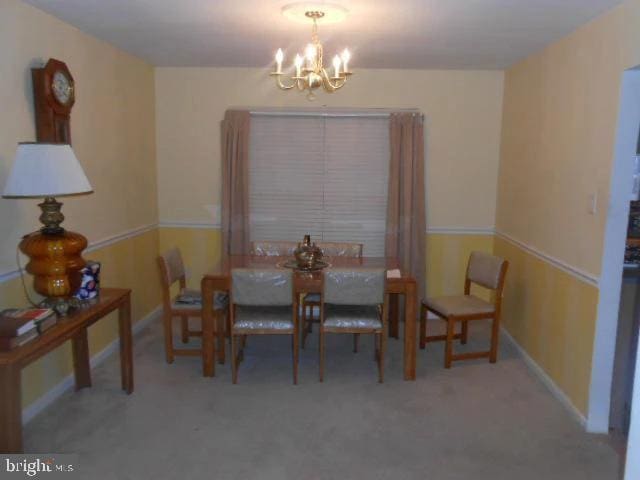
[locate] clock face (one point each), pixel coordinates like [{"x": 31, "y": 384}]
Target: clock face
[{"x": 61, "y": 87}]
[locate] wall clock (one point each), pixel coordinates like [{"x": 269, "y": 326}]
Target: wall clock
[{"x": 54, "y": 95}]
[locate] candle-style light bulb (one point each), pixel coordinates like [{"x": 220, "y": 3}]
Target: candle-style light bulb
[
  {"x": 336, "y": 66},
  {"x": 310, "y": 52},
  {"x": 298, "y": 63},
  {"x": 346, "y": 56},
  {"x": 279, "y": 59}
]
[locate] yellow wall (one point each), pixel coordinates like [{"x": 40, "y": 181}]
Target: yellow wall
[
  {"x": 558, "y": 132},
  {"x": 560, "y": 113},
  {"x": 112, "y": 126},
  {"x": 113, "y": 131},
  {"x": 551, "y": 314},
  {"x": 632, "y": 33},
  {"x": 463, "y": 114},
  {"x": 447, "y": 256},
  {"x": 201, "y": 249}
]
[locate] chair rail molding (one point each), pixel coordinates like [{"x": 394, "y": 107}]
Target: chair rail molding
[
  {"x": 430, "y": 230},
  {"x": 93, "y": 246},
  {"x": 461, "y": 230},
  {"x": 576, "y": 272},
  {"x": 194, "y": 225}
]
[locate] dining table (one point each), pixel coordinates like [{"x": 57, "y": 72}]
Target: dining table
[{"x": 399, "y": 285}]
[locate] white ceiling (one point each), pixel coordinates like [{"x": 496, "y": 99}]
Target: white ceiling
[{"x": 453, "y": 34}]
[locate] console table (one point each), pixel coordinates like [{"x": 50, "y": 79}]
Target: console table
[{"x": 71, "y": 327}]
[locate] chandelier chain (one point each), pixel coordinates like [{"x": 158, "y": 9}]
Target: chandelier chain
[{"x": 314, "y": 32}]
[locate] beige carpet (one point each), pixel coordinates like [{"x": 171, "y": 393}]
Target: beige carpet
[{"x": 476, "y": 421}]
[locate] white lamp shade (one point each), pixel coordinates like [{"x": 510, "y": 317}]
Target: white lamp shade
[{"x": 46, "y": 170}]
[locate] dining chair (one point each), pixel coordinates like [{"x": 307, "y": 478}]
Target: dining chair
[
  {"x": 341, "y": 249},
  {"x": 312, "y": 300},
  {"x": 262, "y": 303},
  {"x": 487, "y": 271},
  {"x": 354, "y": 301},
  {"x": 187, "y": 304},
  {"x": 277, "y": 248}
]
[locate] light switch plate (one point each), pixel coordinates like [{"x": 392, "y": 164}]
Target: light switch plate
[{"x": 593, "y": 203}]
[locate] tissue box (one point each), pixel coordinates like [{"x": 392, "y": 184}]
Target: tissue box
[{"x": 90, "y": 286}]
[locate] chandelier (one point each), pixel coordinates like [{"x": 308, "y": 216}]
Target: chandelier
[{"x": 310, "y": 73}]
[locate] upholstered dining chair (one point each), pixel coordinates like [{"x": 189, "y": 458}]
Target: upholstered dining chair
[
  {"x": 262, "y": 303},
  {"x": 276, "y": 248},
  {"x": 187, "y": 304},
  {"x": 487, "y": 271},
  {"x": 354, "y": 301},
  {"x": 312, "y": 300},
  {"x": 341, "y": 249}
]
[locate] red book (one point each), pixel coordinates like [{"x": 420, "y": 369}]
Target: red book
[{"x": 28, "y": 313}]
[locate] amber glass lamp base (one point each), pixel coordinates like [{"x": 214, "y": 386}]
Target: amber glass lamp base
[{"x": 55, "y": 261}]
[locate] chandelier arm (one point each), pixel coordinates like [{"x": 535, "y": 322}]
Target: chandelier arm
[
  {"x": 282, "y": 85},
  {"x": 330, "y": 86}
]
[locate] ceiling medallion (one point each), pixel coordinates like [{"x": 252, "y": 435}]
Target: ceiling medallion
[{"x": 310, "y": 73}]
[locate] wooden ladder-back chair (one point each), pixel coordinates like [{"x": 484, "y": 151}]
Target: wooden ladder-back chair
[
  {"x": 487, "y": 271},
  {"x": 187, "y": 304}
]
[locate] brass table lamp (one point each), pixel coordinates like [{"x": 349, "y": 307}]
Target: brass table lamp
[{"x": 49, "y": 170}]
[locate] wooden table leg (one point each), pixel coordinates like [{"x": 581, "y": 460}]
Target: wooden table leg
[
  {"x": 81, "y": 366},
  {"x": 10, "y": 410},
  {"x": 208, "y": 347},
  {"x": 208, "y": 330},
  {"x": 394, "y": 319},
  {"x": 220, "y": 332},
  {"x": 410, "y": 300},
  {"x": 126, "y": 344}
]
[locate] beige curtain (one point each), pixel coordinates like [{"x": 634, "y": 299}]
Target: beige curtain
[
  {"x": 406, "y": 224},
  {"x": 235, "y": 182}
]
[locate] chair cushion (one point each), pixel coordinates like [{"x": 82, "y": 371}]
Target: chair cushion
[
  {"x": 352, "y": 316},
  {"x": 312, "y": 297},
  {"x": 457, "y": 305},
  {"x": 188, "y": 299},
  {"x": 263, "y": 318}
]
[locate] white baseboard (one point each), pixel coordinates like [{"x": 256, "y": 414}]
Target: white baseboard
[
  {"x": 546, "y": 380},
  {"x": 65, "y": 384}
]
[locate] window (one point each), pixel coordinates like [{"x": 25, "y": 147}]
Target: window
[{"x": 322, "y": 175}]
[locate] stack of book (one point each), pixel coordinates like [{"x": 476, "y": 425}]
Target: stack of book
[{"x": 18, "y": 326}]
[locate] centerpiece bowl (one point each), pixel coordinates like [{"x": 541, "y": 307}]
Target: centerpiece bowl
[{"x": 307, "y": 255}]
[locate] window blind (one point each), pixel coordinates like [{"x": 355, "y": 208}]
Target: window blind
[{"x": 326, "y": 176}]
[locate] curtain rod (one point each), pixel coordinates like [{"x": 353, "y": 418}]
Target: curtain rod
[{"x": 302, "y": 113}]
